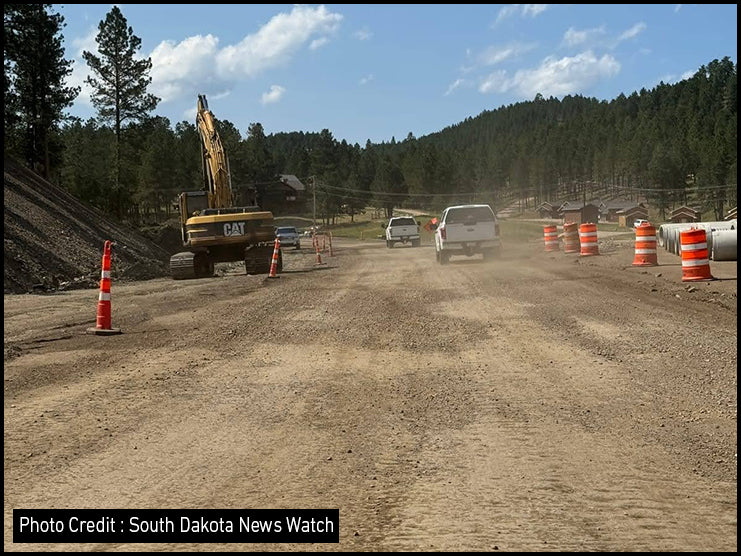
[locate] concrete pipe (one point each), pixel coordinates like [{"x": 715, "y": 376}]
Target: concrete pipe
[
  {"x": 724, "y": 244},
  {"x": 669, "y": 234}
]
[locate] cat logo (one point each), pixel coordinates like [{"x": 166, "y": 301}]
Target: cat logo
[{"x": 234, "y": 229}]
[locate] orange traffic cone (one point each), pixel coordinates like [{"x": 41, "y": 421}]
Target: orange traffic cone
[
  {"x": 274, "y": 263},
  {"x": 318, "y": 255},
  {"x": 103, "y": 320}
]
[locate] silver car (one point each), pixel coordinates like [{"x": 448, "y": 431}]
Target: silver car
[{"x": 288, "y": 236}]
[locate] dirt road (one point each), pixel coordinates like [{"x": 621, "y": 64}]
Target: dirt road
[{"x": 537, "y": 402}]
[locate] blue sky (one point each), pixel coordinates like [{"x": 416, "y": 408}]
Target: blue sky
[{"x": 382, "y": 71}]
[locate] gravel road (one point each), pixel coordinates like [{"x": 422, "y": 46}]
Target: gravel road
[{"x": 541, "y": 401}]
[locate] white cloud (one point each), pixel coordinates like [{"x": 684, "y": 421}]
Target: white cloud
[
  {"x": 276, "y": 41},
  {"x": 688, "y": 74},
  {"x": 554, "y": 77},
  {"x": 220, "y": 95},
  {"x": 533, "y": 9},
  {"x": 496, "y": 54},
  {"x": 190, "y": 114},
  {"x": 274, "y": 95},
  {"x": 77, "y": 79},
  {"x": 496, "y": 82},
  {"x": 506, "y": 11},
  {"x": 199, "y": 62},
  {"x": 367, "y": 79},
  {"x": 453, "y": 86},
  {"x": 318, "y": 43},
  {"x": 87, "y": 42},
  {"x": 178, "y": 68},
  {"x": 362, "y": 34},
  {"x": 632, "y": 32},
  {"x": 572, "y": 37},
  {"x": 677, "y": 7},
  {"x": 524, "y": 10}
]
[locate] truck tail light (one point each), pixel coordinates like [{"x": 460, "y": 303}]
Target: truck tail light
[{"x": 443, "y": 235}]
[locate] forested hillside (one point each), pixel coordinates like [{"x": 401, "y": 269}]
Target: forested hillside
[{"x": 672, "y": 144}]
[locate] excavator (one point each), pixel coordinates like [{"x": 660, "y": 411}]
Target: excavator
[{"x": 213, "y": 229}]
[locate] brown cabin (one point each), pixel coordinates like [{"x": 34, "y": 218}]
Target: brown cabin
[
  {"x": 684, "y": 214},
  {"x": 580, "y": 213},
  {"x": 627, "y": 216}
]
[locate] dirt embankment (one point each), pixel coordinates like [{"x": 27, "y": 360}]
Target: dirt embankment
[{"x": 52, "y": 241}]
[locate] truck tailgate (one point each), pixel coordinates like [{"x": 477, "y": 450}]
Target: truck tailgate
[
  {"x": 470, "y": 233},
  {"x": 403, "y": 231}
]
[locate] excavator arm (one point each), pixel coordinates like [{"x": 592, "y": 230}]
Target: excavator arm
[
  {"x": 213, "y": 229},
  {"x": 215, "y": 163}
]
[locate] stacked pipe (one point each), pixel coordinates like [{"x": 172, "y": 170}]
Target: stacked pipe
[{"x": 669, "y": 234}]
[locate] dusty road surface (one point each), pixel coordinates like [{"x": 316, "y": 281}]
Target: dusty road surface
[{"x": 536, "y": 402}]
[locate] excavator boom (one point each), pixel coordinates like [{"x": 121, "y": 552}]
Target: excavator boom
[
  {"x": 215, "y": 162},
  {"x": 213, "y": 229}
]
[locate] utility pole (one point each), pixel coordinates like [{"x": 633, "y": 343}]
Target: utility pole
[{"x": 313, "y": 190}]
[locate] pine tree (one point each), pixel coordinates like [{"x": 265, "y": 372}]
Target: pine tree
[
  {"x": 119, "y": 81},
  {"x": 34, "y": 80}
]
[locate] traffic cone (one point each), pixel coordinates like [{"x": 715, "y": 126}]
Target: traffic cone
[
  {"x": 274, "y": 263},
  {"x": 318, "y": 255},
  {"x": 103, "y": 320}
]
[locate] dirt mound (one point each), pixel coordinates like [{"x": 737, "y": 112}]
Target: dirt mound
[
  {"x": 52, "y": 241},
  {"x": 166, "y": 236}
]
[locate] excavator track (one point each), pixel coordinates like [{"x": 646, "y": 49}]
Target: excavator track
[
  {"x": 187, "y": 265},
  {"x": 257, "y": 259}
]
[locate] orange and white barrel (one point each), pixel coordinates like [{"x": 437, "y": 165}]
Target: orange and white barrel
[
  {"x": 695, "y": 263},
  {"x": 645, "y": 246},
  {"x": 550, "y": 235},
  {"x": 570, "y": 237},
  {"x": 588, "y": 240}
]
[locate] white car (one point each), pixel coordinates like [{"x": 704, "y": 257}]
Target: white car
[
  {"x": 288, "y": 235},
  {"x": 467, "y": 230},
  {"x": 640, "y": 222}
]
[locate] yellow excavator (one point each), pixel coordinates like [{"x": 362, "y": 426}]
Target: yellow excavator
[{"x": 213, "y": 229}]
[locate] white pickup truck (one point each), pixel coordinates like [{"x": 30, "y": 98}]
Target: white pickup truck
[
  {"x": 467, "y": 230},
  {"x": 402, "y": 229}
]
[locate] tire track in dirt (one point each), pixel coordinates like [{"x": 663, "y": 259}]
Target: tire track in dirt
[{"x": 438, "y": 407}]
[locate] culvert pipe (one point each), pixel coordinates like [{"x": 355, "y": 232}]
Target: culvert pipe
[{"x": 724, "y": 245}]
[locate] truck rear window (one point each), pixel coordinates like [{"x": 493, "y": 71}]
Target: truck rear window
[
  {"x": 467, "y": 215},
  {"x": 403, "y": 222}
]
